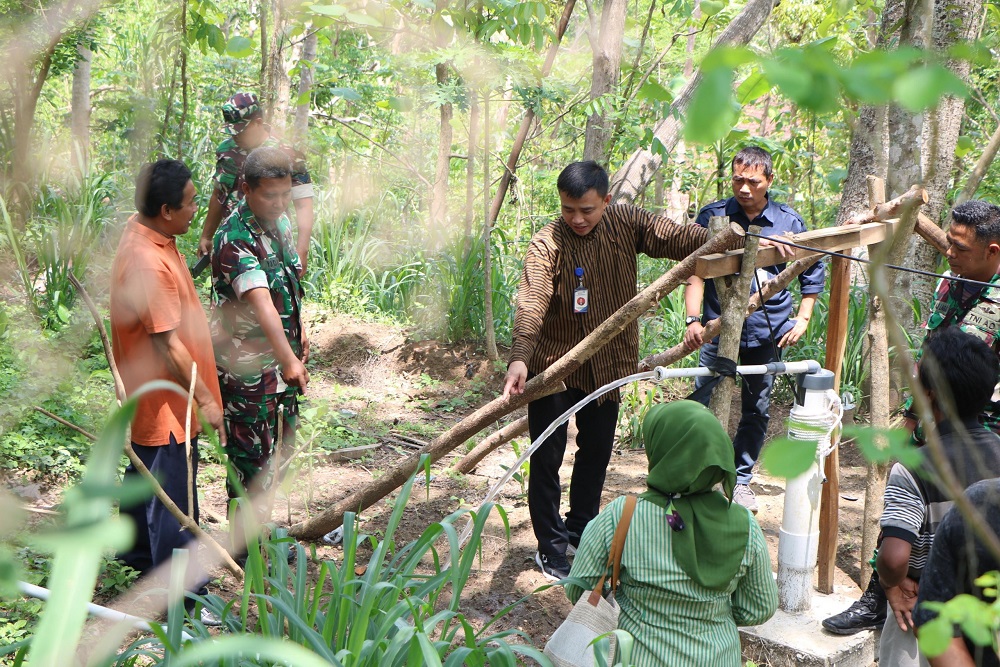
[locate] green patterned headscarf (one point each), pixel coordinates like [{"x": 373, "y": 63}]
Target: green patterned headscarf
[{"x": 689, "y": 453}]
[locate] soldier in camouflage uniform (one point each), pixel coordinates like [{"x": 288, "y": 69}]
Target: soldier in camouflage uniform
[
  {"x": 245, "y": 125},
  {"x": 973, "y": 253},
  {"x": 260, "y": 343}
]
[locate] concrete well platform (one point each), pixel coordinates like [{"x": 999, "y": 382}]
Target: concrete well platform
[{"x": 798, "y": 640}]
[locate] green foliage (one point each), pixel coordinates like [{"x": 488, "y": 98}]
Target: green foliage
[
  {"x": 979, "y": 620},
  {"x": 884, "y": 446},
  {"x": 788, "y": 458}
]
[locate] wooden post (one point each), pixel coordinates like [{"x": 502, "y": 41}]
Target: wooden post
[{"x": 836, "y": 341}]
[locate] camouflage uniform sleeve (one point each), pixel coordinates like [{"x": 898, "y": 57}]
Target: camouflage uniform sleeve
[
  {"x": 225, "y": 176},
  {"x": 239, "y": 266}
]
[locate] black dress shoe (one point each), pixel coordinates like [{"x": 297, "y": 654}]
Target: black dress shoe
[{"x": 868, "y": 613}]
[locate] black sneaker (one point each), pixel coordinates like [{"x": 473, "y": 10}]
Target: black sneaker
[
  {"x": 574, "y": 543},
  {"x": 554, "y": 566},
  {"x": 868, "y": 613}
]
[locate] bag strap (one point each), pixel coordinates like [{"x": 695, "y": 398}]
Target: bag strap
[{"x": 617, "y": 547}]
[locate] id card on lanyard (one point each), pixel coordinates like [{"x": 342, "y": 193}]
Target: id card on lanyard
[{"x": 581, "y": 298}]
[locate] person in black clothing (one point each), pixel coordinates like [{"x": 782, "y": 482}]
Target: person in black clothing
[{"x": 957, "y": 559}]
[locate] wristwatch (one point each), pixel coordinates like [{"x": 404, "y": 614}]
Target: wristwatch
[{"x": 691, "y": 319}]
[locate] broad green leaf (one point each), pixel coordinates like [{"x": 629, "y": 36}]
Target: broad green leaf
[
  {"x": 239, "y": 46},
  {"x": 362, "y": 19},
  {"x": 712, "y": 111},
  {"x": 964, "y": 145},
  {"x": 711, "y": 7},
  {"x": 653, "y": 91},
  {"x": 727, "y": 57},
  {"x": 923, "y": 87},
  {"x": 753, "y": 87},
  {"x": 879, "y": 446},
  {"x": 835, "y": 178},
  {"x": 215, "y": 38},
  {"x": 934, "y": 637},
  {"x": 401, "y": 104},
  {"x": 975, "y": 52},
  {"x": 328, "y": 10},
  {"x": 788, "y": 458},
  {"x": 345, "y": 93}
]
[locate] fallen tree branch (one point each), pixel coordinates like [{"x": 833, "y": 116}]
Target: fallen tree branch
[
  {"x": 365, "y": 497},
  {"x": 65, "y": 423},
  {"x": 494, "y": 441}
]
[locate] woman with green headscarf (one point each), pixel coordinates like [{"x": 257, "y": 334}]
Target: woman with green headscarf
[{"x": 695, "y": 565}]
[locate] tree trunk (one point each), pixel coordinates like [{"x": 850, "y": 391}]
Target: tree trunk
[
  {"x": 184, "y": 81},
  {"x": 606, "y": 74},
  {"x": 638, "y": 170},
  {"x": 306, "y": 76},
  {"x": 529, "y": 116},
  {"x": 489, "y": 329},
  {"x": 80, "y": 105},
  {"x": 439, "y": 197},
  {"x": 470, "y": 172},
  {"x": 955, "y": 22},
  {"x": 275, "y": 88}
]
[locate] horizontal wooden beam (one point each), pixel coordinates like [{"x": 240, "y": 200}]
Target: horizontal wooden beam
[{"x": 832, "y": 239}]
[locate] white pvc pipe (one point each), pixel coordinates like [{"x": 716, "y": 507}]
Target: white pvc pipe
[
  {"x": 798, "y": 540},
  {"x": 96, "y": 610},
  {"x": 658, "y": 374}
]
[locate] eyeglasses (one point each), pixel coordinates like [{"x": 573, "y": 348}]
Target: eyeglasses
[{"x": 739, "y": 181}]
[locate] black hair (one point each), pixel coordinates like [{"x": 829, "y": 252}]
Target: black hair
[
  {"x": 160, "y": 183},
  {"x": 965, "y": 365},
  {"x": 266, "y": 162},
  {"x": 982, "y": 217},
  {"x": 578, "y": 178},
  {"x": 754, "y": 156}
]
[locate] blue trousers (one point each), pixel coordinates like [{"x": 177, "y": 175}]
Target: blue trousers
[
  {"x": 157, "y": 532},
  {"x": 756, "y": 403}
]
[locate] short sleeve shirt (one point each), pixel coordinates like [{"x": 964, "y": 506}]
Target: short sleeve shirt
[
  {"x": 152, "y": 292},
  {"x": 228, "y": 178},
  {"x": 246, "y": 256},
  {"x": 776, "y": 219}
]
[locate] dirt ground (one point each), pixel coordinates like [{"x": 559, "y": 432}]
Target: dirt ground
[{"x": 375, "y": 380}]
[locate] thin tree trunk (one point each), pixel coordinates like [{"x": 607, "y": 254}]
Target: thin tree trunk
[
  {"x": 606, "y": 72},
  {"x": 392, "y": 479},
  {"x": 439, "y": 196},
  {"x": 276, "y": 85},
  {"x": 80, "y": 105},
  {"x": 637, "y": 172},
  {"x": 491, "y": 336},
  {"x": 529, "y": 116},
  {"x": 184, "y": 81},
  {"x": 470, "y": 172},
  {"x": 306, "y": 76}
]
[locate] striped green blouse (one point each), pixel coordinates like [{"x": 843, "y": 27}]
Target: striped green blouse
[{"x": 675, "y": 621}]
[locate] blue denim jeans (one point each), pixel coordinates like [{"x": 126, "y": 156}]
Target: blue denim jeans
[{"x": 756, "y": 403}]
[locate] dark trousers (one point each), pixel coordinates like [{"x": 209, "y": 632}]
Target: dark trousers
[
  {"x": 596, "y": 431},
  {"x": 756, "y": 403},
  {"x": 157, "y": 532}
]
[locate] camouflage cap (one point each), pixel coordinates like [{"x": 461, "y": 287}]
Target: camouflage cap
[{"x": 238, "y": 111}]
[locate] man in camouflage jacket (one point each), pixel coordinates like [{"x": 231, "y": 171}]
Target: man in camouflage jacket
[
  {"x": 260, "y": 343},
  {"x": 245, "y": 125}
]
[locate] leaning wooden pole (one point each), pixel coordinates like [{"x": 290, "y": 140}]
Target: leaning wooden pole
[
  {"x": 377, "y": 489},
  {"x": 733, "y": 293},
  {"x": 495, "y": 440}
]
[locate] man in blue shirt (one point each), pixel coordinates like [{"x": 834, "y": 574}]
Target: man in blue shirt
[{"x": 769, "y": 329}]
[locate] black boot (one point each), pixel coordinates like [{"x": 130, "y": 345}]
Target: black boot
[{"x": 868, "y": 613}]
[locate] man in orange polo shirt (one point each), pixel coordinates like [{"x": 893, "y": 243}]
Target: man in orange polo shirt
[{"x": 159, "y": 330}]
